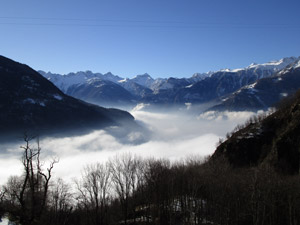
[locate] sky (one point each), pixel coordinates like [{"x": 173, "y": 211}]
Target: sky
[{"x": 163, "y": 38}]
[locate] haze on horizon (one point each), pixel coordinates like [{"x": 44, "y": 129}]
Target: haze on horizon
[{"x": 162, "y": 38}]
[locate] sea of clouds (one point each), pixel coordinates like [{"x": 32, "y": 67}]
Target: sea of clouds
[{"x": 173, "y": 135}]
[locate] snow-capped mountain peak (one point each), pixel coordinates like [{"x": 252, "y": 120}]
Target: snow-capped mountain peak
[
  {"x": 199, "y": 88},
  {"x": 64, "y": 82},
  {"x": 273, "y": 65},
  {"x": 111, "y": 77},
  {"x": 144, "y": 76},
  {"x": 145, "y": 80},
  {"x": 297, "y": 64},
  {"x": 200, "y": 76}
]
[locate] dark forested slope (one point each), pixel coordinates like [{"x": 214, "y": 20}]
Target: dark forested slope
[
  {"x": 272, "y": 139},
  {"x": 28, "y": 101}
]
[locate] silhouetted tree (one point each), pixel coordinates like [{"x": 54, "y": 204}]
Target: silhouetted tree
[
  {"x": 125, "y": 178},
  {"x": 94, "y": 192},
  {"x": 60, "y": 203},
  {"x": 27, "y": 195}
]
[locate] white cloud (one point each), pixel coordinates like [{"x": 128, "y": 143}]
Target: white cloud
[
  {"x": 174, "y": 135},
  {"x": 8, "y": 167}
]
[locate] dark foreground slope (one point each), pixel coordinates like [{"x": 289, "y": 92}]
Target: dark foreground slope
[
  {"x": 273, "y": 140},
  {"x": 29, "y": 102}
]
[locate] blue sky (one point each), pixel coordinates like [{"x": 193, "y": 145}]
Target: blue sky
[{"x": 161, "y": 37}]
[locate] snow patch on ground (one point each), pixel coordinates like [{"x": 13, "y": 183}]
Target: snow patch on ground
[
  {"x": 4, "y": 221},
  {"x": 284, "y": 94},
  {"x": 58, "y": 97},
  {"x": 32, "y": 101},
  {"x": 42, "y": 104},
  {"x": 29, "y": 100}
]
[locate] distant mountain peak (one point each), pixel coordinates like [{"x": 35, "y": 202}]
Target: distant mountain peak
[
  {"x": 274, "y": 65},
  {"x": 144, "y": 79},
  {"x": 226, "y": 70},
  {"x": 203, "y": 74},
  {"x": 200, "y": 88},
  {"x": 145, "y": 75}
]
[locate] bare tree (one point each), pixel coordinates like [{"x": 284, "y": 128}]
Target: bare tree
[
  {"x": 60, "y": 200},
  {"x": 28, "y": 193},
  {"x": 94, "y": 189},
  {"x": 159, "y": 185},
  {"x": 2, "y": 201},
  {"x": 125, "y": 177}
]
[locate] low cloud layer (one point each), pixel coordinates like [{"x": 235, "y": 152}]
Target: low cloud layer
[{"x": 174, "y": 135}]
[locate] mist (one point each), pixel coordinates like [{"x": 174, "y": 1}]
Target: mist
[{"x": 173, "y": 135}]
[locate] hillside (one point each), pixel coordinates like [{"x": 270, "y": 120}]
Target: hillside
[
  {"x": 271, "y": 140},
  {"x": 28, "y": 101}
]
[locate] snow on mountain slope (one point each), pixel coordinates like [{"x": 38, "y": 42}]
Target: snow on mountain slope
[
  {"x": 200, "y": 88},
  {"x": 265, "y": 92},
  {"x": 145, "y": 80},
  {"x": 199, "y": 76},
  {"x": 297, "y": 65},
  {"x": 160, "y": 84},
  {"x": 135, "y": 88},
  {"x": 110, "y": 77},
  {"x": 63, "y": 82},
  {"x": 275, "y": 65},
  {"x": 101, "y": 92},
  {"x": 269, "y": 66}
]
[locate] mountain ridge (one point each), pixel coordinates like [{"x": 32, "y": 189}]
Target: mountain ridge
[
  {"x": 198, "y": 89},
  {"x": 265, "y": 92},
  {"x": 28, "y": 101}
]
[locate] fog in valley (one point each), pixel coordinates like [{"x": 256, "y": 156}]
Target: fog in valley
[{"x": 174, "y": 135}]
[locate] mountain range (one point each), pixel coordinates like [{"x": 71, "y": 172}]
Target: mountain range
[
  {"x": 30, "y": 101},
  {"x": 225, "y": 89}
]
